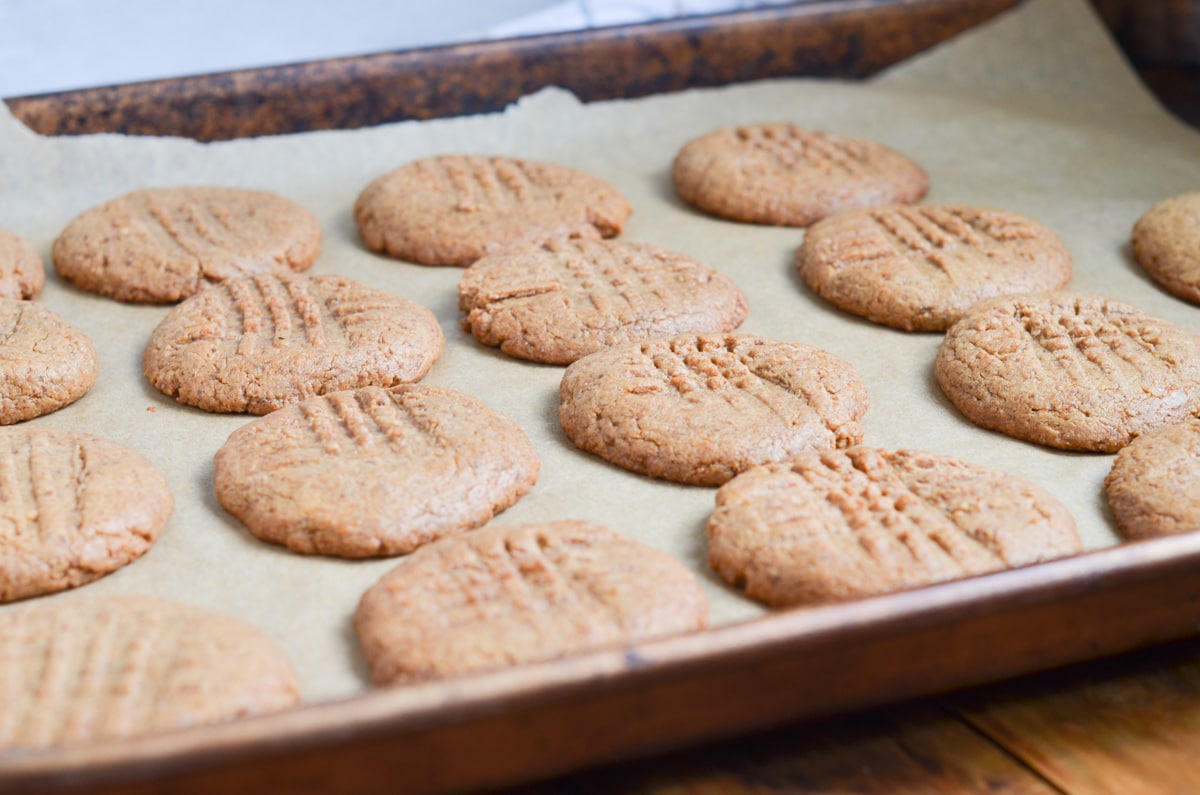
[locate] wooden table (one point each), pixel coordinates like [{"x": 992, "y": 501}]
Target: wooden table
[
  {"x": 1129, "y": 724},
  {"x": 1126, "y": 725}
]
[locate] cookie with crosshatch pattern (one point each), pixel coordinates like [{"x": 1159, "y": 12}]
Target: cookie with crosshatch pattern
[
  {"x": 833, "y": 525},
  {"x": 921, "y": 268},
  {"x": 453, "y": 209},
  {"x": 510, "y": 594},
  {"x": 1153, "y": 487},
  {"x": 785, "y": 175},
  {"x": 74, "y": 507},
  {"x": 1068, "y": 370},
  {"x": 48, "y": 363},
  {"x": 565, "y": 299},
  {"x": 699, "y": 408},
  {"x": 1166, "y": 243},
  {"x": 257, "y": 343},
  {"x": 373, "y": 472},
  {"x": 161, "y": 245},
  {"x": 82, "y": 670}
]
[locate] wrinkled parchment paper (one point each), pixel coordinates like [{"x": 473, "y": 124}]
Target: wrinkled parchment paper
[{"x": 1035, "y": 112}]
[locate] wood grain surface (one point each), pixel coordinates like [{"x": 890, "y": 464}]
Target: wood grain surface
[
  {"x": 1130, "y": 725},
  {"x": 914, "y": 748},
  {"x": 1120, "y": 726},
  {"x": 838, "y": 38}
]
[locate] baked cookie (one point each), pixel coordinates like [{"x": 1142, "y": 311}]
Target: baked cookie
[
  {"x": 109, "y": 668},
  {"x": 506, "y": 595},
  {"x": 75, "y": 507},
  {"x": 453, "y": 209},
  {"x": 566, "y": 299},
  {"x": 373, "y": 472},
  {"x": 834, "y": 525},
  {"x": 1166, "y": 243},
  {"x": 256, "y": 343},
  {"x": 784, "y": 175},
  {"x": 47, "y": 362},
  {"x": 1153, "y": 487},
  {"x": 160, "y": 245},
  {"x": 1077, "y": 372},
  {"x": 700, "y": 408},
  {"x": 920, "y": 268},
  {"x": 21, "y": 271}
]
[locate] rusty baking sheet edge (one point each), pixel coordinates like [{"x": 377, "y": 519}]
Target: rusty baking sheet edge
[{"x": 832, "y": 38}]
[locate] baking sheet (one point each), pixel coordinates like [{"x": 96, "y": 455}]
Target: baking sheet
[{"x": 1035, "y": 113}]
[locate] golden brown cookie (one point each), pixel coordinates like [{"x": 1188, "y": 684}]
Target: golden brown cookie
[
  {"x": 75, "y": 507},
  {"x": 1166, "y": 242},
  {"x": 557, "y": 302},
  {"x": 1077, "y": 372},
  {"x": 47, "y": 362},
  {"x": 453, "y": 209},
  {"x": 785, "y": 175},
  {"x": 21, "y": 271},
  {"x": 1153, "y": 487},
  {"x": 700, "y": 408},
  {"x": 85, "y": 670},
  {"x": 256, "y": 343},
  {"x": 160, "y": 245},
  {"x": 506, "y": 595},
  {"x": 835, "y": 525},
  {"x": 920, "y": 268},
  {"x": 373, "y": 472}
]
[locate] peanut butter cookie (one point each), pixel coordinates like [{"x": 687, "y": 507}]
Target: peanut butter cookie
[
  {"x": 700, "y": 408},
  {"x": 836, "y": 525},
  {"x": 1077, "y": 372},
  {"x": 161, "y": 245},
  {"x": 505, "y": 595},
  {"x": 373, "y": 472},
  {"x": 566, "y": 299},
  {"x": 1166, "y": 242},
  {"x": 920, "y": 268},
  {"x": 784, "y": 175},
  {"x": 256, "y": 343},
  {"x": 47, "y": 362},
  {"x": 1153, "y": 487},
  {"x": 110, "y": 668},
  {"x": 21, "y": 271},
  {"x": 453, "y": 209},
  {"x": 75, "y": 507}
]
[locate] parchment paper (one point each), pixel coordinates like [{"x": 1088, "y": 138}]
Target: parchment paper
[{"x": 1035, "y": 113}]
